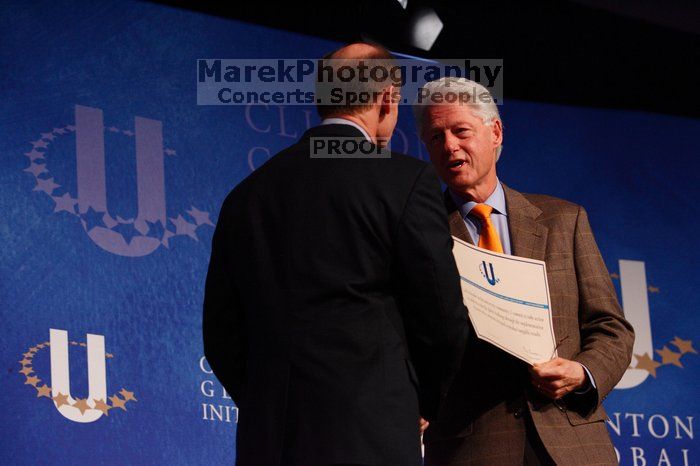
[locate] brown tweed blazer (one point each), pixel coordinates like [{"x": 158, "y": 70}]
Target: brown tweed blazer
[{"x": 483, "y": 417}]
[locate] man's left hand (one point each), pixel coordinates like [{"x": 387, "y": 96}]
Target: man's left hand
[{"x": 558, "y": 377}]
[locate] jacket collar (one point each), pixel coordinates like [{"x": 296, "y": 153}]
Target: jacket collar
[
  {"x": 528, "y": 237},
  {"x": 332, "y": 130}
]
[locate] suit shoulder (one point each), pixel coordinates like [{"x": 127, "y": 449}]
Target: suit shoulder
[
  {"x": 555, "y": 213},
  {"x": 408, "y": 160},
  {"x": 551, "y": 204},
  {"x": 240, "y": 192},
  {"x": 262, "y": 173},
  {"x": 407, "y": 165}
]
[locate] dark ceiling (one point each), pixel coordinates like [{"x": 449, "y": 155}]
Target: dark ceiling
[{"x": 571, "y": 52}]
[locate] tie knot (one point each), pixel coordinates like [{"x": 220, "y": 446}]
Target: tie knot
[{"x": 482, "y": 211}]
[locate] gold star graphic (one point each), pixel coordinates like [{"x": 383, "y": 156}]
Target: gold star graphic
[
  {"x": 74, "y": 343},
  {"x": 614, "y": 275},
  {"x": 32, "y": 381},
  {"x": 28, "y": 355},
  {"x": 646, "y": 363},
  {"x": 669, "y": 357},
  {"x": 26, "y": 370},
  {"x": 25, "y": 361},
  {"x": 44, "y": 390},
  {"x": 81, "y": 404},
  {"x": 33, "y": 349},
  {"x": 109, "y": 355},
  {"x": 117, "y": 402},
  {"x": 61, "y": 400},
  {"x": 684, "y": 346},
  {"x": 102, "y": 406},
  {"x": 40, "y": 346},
  {"x": 653, "y": 289},
  {"x": 47, "y": 343},
  {"x": 82, "y": 344},
  {"x": 128, "y": 396}
]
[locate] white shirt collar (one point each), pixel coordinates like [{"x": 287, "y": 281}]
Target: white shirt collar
[{"x": 343, "y": 121}]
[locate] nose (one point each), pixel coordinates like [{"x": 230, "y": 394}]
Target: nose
[{"x": 451, "y": 143}]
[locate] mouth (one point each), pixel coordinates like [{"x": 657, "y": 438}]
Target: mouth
[{"x": 456, "y": 164}]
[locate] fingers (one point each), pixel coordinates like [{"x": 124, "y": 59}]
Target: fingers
[
  {"x": 553, "y": 390},
  {"x": 558, "y": 368},
  {"x": 422, "y": 425},
  {"x": 557, "y": 378},
  {"x": 551, "y": 369},
  {"x": 552, "y": 385},
  {"x": 551, "y": 378}
]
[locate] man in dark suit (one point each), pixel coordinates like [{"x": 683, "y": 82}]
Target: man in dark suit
[
  {"x": 499, "y": 411},
  {"x": 333, "y": 313}
]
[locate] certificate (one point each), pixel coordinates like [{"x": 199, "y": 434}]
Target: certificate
[{"x": 508, "y": 301}]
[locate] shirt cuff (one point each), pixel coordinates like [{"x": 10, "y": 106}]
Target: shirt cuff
[{"x": 589, "y": 385}]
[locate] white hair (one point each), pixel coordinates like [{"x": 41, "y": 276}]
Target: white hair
[{"x": 462, "y": 92}]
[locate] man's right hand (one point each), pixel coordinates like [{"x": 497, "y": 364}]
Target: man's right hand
[{"x": 422, "y": 425}]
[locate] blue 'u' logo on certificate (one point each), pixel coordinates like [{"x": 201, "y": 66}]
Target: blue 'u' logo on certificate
[{"x": 488, "y": 273}]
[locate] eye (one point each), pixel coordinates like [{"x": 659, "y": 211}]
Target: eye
[{"x": 436, "y": 137}]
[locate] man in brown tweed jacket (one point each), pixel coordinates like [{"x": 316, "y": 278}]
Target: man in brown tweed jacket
[{"x": 499, "y": 411}]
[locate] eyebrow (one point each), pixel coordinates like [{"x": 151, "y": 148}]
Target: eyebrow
[{"x": 459, "y": 123}]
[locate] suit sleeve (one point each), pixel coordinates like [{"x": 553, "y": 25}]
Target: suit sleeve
[
  {"x": 223, "y": 319},
  {"x": 606, "y": 337},
  {"x": 431, "y": 298}
]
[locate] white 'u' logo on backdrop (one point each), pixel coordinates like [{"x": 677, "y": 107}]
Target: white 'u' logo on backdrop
[
  {"x": 96, "y": 371},
  {"x": 633, "y": 282}
]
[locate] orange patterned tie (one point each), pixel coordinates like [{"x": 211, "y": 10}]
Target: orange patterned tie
[{"x": 488, "y": 239}]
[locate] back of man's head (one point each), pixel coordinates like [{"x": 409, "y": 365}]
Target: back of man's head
[{"x": 350, "y": 80}]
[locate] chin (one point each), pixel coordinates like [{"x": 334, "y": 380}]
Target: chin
[{"x": 459, "y": 182}]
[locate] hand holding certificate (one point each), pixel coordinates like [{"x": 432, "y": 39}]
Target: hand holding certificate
[{"x": 508, "y": 301}]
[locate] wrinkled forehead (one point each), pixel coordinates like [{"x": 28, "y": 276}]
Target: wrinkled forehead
[{"x": 449, "y": 114}]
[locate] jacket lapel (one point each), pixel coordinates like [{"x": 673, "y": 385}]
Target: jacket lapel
[
  {"x": 528, "y": 237},
  {"x": 457, "y": 227}
]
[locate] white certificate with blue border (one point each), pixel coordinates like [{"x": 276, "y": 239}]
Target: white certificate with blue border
[{"x": 508, "y": 301}]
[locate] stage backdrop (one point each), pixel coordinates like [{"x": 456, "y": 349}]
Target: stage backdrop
[{"x": 112, "y": 178}]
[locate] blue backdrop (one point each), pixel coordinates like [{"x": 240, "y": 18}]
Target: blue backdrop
[{"x": 112, "y": 178}]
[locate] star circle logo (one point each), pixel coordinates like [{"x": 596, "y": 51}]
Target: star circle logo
[
  {"x": 87, "y": 409},
  {"x": 134, "y": 237}
]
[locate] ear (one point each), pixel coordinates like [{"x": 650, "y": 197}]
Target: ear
[
  {"x": 386, "y": 100},
  {"x": 497, "y": 132}
]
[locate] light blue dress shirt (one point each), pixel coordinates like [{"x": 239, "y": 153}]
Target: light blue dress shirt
[{"x": 499, "y": 216}]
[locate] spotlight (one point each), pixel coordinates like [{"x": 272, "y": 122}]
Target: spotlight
[
  {"x": 424, "y": 28},
  {"x": 397, "y": 24}
]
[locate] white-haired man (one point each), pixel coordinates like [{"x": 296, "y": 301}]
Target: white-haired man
[{"x": 499, "y": 411}]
